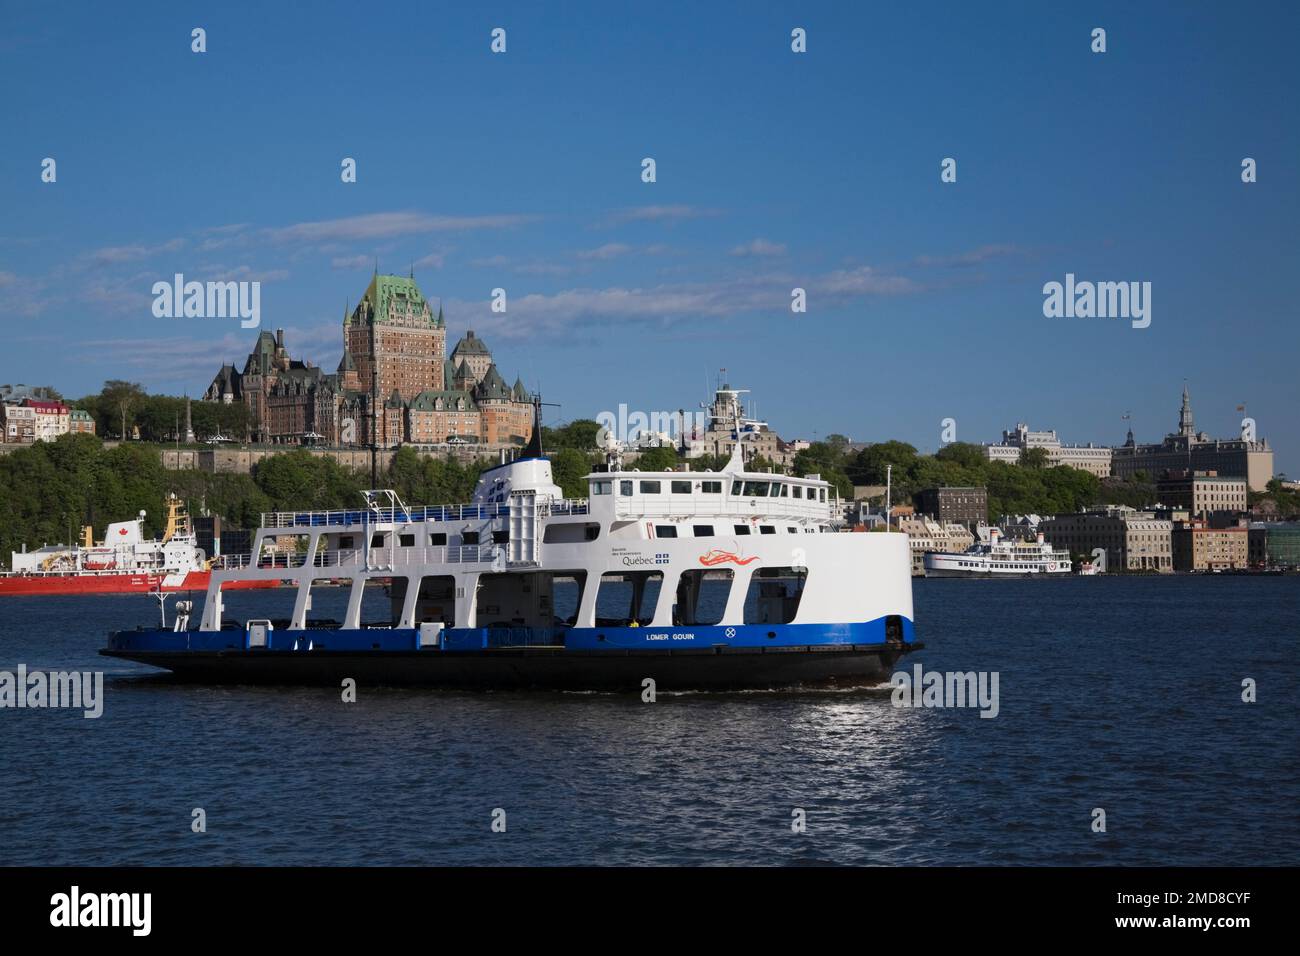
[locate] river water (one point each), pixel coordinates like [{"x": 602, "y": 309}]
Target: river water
[{"x": 1119, "y": 694}]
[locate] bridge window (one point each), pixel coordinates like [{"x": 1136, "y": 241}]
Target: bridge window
[
  {"x": 755, "y": 489},
  {"x": 702, "y": 596},
  {"x": 625, "y": 488},
  {"x": 681, "y": 487},
  {"x": 741, "y": 529},
  {"x": 766, "y": 529},
  {"x": 665, "y": 531},
  {"x": 798, "y": 491},
  {"x": 601, "y": 487},
  {"x": 406, "y": 541},
  {"x": 649, "y": 487},
  {"x": 703, "y": 530},
  {"x": 438, "y": 539},
  {"x": 711, "y": 487},
  {"x": 774, "y": 594}
]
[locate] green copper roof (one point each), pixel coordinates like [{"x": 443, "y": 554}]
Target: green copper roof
[
  {"x": 451, "y": 397},
  {"x": 390, "y": 294}
]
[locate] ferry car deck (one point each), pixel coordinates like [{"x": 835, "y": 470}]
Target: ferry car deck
[{"x": 690, "y": 579}]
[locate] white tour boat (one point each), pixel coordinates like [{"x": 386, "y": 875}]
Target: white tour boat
[{"x": 998, "y": 558}]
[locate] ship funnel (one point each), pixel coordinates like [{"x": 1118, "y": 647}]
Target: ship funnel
[{"x": 1040, "y": 537}]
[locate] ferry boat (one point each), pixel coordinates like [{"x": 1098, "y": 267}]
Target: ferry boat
[
  {"x": 998, "y": 558},
  {"x": 124, "y": 563},
  {"x": 689, "y": 579}
]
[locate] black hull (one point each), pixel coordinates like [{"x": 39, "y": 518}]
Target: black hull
[{"x": 537, "y": 667}]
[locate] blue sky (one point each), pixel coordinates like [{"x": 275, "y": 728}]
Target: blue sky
[{"x": 775, "y": 170}]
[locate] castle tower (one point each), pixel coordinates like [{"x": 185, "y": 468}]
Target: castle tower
[{"x": 396, "y": 343}]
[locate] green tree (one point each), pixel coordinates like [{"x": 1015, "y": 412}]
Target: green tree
[
  {"x": 579, "y": 434},
  {"x": 569, "y": 468},
  {"x": 870, "y": 465},
  {"x": 1035, "y": 458},
  {"x": 118, "y": 402},
  {"x": 657, "y": 459}
]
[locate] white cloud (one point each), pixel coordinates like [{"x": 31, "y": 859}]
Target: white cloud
[
  {"x": 114, "y": 255},
  {"x": 972, "y": 257},
  {"x": 759, "y": 247},
  {"x": 669, "y": 213},
  {"x": 610, "y": 250},
  {"x": 384, "y": 225}
]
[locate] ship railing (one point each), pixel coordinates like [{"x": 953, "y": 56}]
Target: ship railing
[
  {"x": 450, "y": 554},
  {"x": 356, "y": 558},
  {"x": 370, "y": 517}
]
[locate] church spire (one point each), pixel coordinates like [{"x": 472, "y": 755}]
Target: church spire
[{"x": 1185, "y": 424}]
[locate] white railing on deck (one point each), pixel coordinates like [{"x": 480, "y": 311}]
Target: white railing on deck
[
  {"x": 355, "y": 558},
  {"x": 363, "y": 516}
]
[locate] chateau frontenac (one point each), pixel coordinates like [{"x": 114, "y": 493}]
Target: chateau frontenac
[{"x": 395, "y": 382}]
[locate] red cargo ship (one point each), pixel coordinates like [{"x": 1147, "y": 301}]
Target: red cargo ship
[{"x": 124, "y": 563}]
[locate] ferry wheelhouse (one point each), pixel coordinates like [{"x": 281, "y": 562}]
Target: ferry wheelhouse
[{"x": 692, "y": 579}]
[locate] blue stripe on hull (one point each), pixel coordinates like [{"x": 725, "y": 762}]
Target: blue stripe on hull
[{"x": 484, "y": 638}]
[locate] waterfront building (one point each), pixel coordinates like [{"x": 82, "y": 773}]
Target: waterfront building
[
  {"x": 1189, "y": 450},
  {"x": 1202, "y": 493},
  {"x": 924, "y": 534},
  {"x": 1273, "y": 544},
  {"x": 1132, "y": 540},
  {"x": 1019, "y": 527},
  {"x": 1015, "y": 442},
  {"x": 1199, "y": 546},
  {"x": 966, "y": 506}
]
